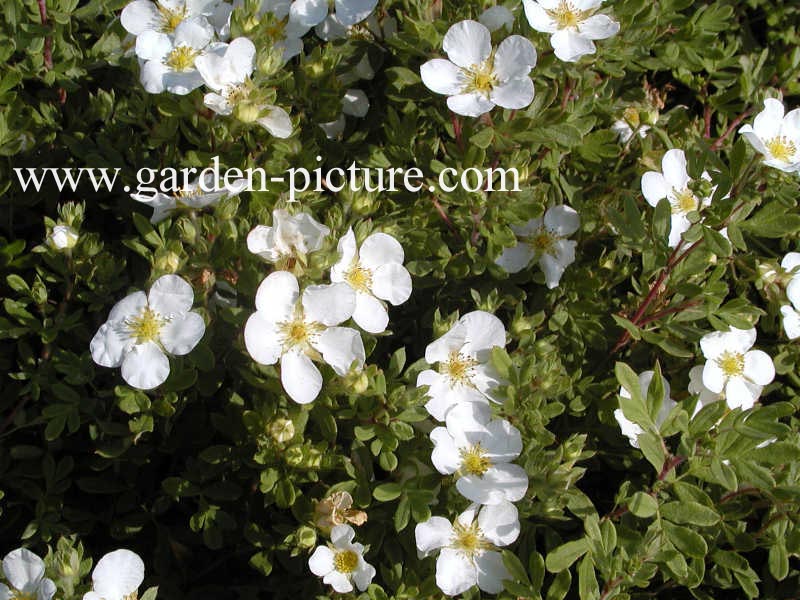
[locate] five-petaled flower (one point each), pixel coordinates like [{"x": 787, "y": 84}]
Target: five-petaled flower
[
  {"x": 573, "y": 24},
  {"x": 673, "y": 183},
  {"x": 734, "y": 368},
  {"x": 164, "y": 16},
  {"x": 479, "y": 451},
  {"x": 117, "y": 576},
  {"x": 544, "y": 240},
  {"x": 24, "y": 572},
  {"x": 376, "y": 273},
  {"x": 290, "y": 237},
  {"x": 298, "y": 330},
  {"x": 465, "y": 374},
  {"x": 469, "y": 547},
  {"x": 341, "y": 564},
  {"x": 477, "y": 77},
  {"x": 141, "y": 328},
  {"x": 776, "y": 136}
]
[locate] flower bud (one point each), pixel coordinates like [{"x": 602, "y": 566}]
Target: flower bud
[
  {"x": 63, "y": 237},
  {"x": 281, "y": 430},
  {"x": 167, "y": 262}
]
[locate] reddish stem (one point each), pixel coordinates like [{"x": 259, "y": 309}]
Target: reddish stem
[
  {"x": 734, "y": 124},
  {"x": 707, "y": 121},
  {"x": 48, "y": 41},
  {"x": 457, "y": 131},
  {"x": 443, "y": 214}
]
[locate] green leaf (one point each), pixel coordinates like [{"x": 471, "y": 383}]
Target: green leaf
[
  {"x": 689, "y": 513},
  {"x": 643, "y": 505},
  {"x": 386, "y": 492},
  {"x": 562, "y": 557},
  {"x": 685, "y": 540},
  {"x": 772, "y": 221}
]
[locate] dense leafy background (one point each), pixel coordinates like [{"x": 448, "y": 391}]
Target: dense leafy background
[{"x": 189, "y": 475}]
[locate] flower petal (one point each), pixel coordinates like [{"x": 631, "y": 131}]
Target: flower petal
[
  {"x": 467, "y": 43},
  {"x": 340, "y": 348},
  {"x": 153, "y": 45},
  {"x": 562, "y": 220},
  {"x": 182, "y": 333},
  {"x": 514, "y": 94},
  {"x": 515, "y": 57},
  {"x": 321, "y": 561},
  {"x": 145, "y": 366},
  {"x": 329, "y": 304},
  {"x": 262, "y": 338},
  {"x": 140, "y": 16},
  {"x": 569, "y": 45},
  {"x": 793, "y": 291},
  {"x": 370, "y": 313},
  {"x": 713, "y": 376},
  {"x": 130, "y": 306},
  {"x": 277, "y": 122},
  {"x": 339, "y": 582},
  {"x": 484, "y": 332},
  {"x": 118, "y": 574},
  {"x": 300, "y": 377},
  {"x": 380, "y": 249},
  {"x": 500, "y": 523},
  {"x": 503, "y": 442},
  {"x": 673, "y": 165},
  {"x": 455, "y": 573},
  {"x": 342, "y": 536},
  {"x": 350, "y": 12},
  {"x": 472, "y": 104},
  {"x": 392, "y": 282},
  {"x": 791, "y": 322},
  {"x": 538, "y": 18},
  {"x": 445, "y": 456},
  {"x": 740, "y": 393},
  {"x": 767, "y": 123},
  {"x": 432, "y": 534},
  {"x": 598, "y": 27},
  {"x": 497, "y": 17},
  {"x": 171, "y": 295},
  {"x": 491, "y": 572},
  {"x": 277, "y": 295},
  {"x": 109, "y": 344},
  {"x": 516, "y": 258},
  {"x": 23, "y": 569},
  {"x": 502, "y": 482},
  {"x": 308, "y": 12},
  {"x": 758, "y": 367},
  {"x": 654, "y": 187},
  {"x": 452, "y": 341}
]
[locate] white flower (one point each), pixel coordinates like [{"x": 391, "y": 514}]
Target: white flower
[
  {"x": 673, "y": 184},
  {"x": 544, "y": 240},
  {"x": 479, "y": 452},
  {"x": 341, "y": 564},
  {"x": 476, "y": 78},
  {"x": 286, "y": 31},
  {"x": 469, "y": 547},
  {"x": 572, "y": 23},
  {"x": 24, "y": 572},
  {"x": 170, "y": 58},
  {"x": 463, "y": 354},
  {"x": 117, "y": 576},
  {"x": 311, "y": 13},
  {"x": 735, "y": 369},
  {"x": 375, "y": 272},
  {"x": 776, "y": 136},
  {"x": 63, "y": 237},
  {"x": 356, "y": 104},
  {"x": 227, "y": 72},
  {"x": 142, "y": 328},
  {"x": 163, "y": 15},
  {"x": 791, "y": 316},
  {"x": 296, "y": 330},
  {"x": 625, "y": 127},
  {"x": 193, "y": 196},
  {"x": 497, "y": 17},
  {"x": 697, "y": 388},
  {"x": 630, "y": 429},
  {"x": 290, "y": 236}
]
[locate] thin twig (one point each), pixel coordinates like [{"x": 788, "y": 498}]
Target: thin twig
[
  {"x": 48, "y": 41},
  {"x": 734, "y": 124}
]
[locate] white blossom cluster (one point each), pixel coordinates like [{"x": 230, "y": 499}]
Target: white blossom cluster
[
  {"x": 116, "y": 576},
  {"x": 478, "y": 451}
]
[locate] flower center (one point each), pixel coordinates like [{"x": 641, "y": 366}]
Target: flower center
[
  {"x": 474, "y": 460},
  {"x": 481, "y": 78},
  {"x": 567, "y": 16},
  {"x": 685, "y": 202},
  {"x": 189, "y": 192},
  {"x": 181, "y": 58},
  {"x": 170, "y": 18},
  {"x": 17, "y": 595},
  {"x": 276, "y": 27},
  {"x": 468, "y": 539},
  {"x": 781, "y": 148},
  {"x": 146, "y": 327},
  {"x": 631, "y": 116},
  {"x": 345, "y": 561},
  {"x": 458, "y": 368},
  {"x": 359, "y": 278},
  {"x": 731, "y": 363}
]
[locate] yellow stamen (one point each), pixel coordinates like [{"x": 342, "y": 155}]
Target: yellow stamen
[
  {"x": 481, "y": 78},
  {"x": 685, "y": 202},
  {"x": 359, "y": 278},
  {"x": 181, "y": 58},
  {"x": 458, "y": 368},
  {"x": 170, "y": 19},
  {"x": 474, "y": 460},
  {"x": 468, "y": 539},
  {"x": 731, "y": 363},
  {"x": 146, "y": 327},
  {"x": 781, "y": 148},
  {"x": 17, "y": 595},
  {"x": 345, "y": 561},
  {"x": 567, "y": 16}
]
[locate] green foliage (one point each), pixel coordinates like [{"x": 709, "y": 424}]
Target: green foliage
[{"x": 214, "y": 476}]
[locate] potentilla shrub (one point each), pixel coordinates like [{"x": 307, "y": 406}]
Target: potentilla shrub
[{"x": 399, "y": 299}]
